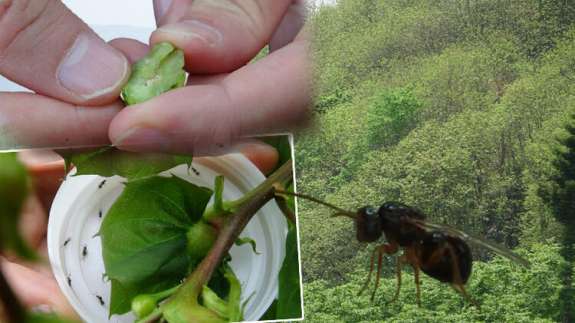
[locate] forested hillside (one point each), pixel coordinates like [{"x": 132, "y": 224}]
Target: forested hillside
[{"x": 462, "y": 108}]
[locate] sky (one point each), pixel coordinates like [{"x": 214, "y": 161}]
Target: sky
[{"x": 115, "y": 18}]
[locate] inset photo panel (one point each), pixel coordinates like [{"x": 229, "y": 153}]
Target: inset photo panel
[
  {"x": 140, "y": 179},
  {"x": 119, "y": 236}
]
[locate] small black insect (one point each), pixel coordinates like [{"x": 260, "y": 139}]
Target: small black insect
[
  {"x": 195, "y": 171},
  {"x": 69, "y": 278},
  {"x": 67, "y": 241},
  {"x": 101, "y": 300},
  {"x": 85, "y": 252},
  {"x": 100, "y": 214},
  {"x": 102, "y": 183}
]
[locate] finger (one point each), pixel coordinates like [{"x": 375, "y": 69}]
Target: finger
[
  {"x": 218, "y": 36},
  {"x": 33, "y": 222},
  {"x": 134, "y": 50},
  {"x": 262, "y": 155},
  {"x": 46, "y": 169},
  {"x": 290, "y": 26},
  {"x": 46, "y": 48},
  {"x": 271, "y": 95},
  {"x": 34, "y": 121},
  {"x": 36, "y": 289}
]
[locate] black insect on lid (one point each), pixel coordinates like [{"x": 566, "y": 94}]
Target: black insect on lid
[{"x": 102, "y": 183}]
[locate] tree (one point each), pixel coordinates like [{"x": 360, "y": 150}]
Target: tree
[{"x": 562, "y": 200}]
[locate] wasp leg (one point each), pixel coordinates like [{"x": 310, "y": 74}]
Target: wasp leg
[
  {"x": 417, "y": 282},
  {"x": 388, "y": 249},
  {"x": 399, "y": 263},
  {"x": 370, "y": 272},
  {"x": 410, "y": 257},
  {"x": 458, "y": 282},
  {"x": 379, "y": 259},
  {"x": 461, "y": 290}
]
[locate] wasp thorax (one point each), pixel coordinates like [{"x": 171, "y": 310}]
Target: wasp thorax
[{"x": 368, "y": 224}]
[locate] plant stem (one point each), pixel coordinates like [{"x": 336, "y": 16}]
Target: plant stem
[
  {"x": 11, "y": 306},
  {"x": 231, "y": 230},
  {"x": 155, "y": 316},
  {"x": 232, "y": 207},
  {"x": 165, "y": 294}
]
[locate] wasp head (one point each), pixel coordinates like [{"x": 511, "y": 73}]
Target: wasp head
[{"x": 368, "y": 224}]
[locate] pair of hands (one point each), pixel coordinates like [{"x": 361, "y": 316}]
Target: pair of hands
[{"x": 77, "y": 79}]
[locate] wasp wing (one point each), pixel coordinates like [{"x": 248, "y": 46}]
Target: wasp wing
[{"x": 501, "y": 250}]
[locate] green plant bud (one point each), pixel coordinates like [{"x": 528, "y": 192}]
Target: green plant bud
[
  {"x": 201, "y": 237},
  {"x": 158, "y": 72},
  {"x": 143, "y": 305}
]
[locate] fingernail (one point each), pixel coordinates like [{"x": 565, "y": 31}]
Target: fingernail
[
  {"x": 190, "y": 29},
  {"x": 143, "y": 138},
  {"x": 92, "y": 68},
  {"x": 43, "y": 308},
  {"x": 161, "y": 8}
]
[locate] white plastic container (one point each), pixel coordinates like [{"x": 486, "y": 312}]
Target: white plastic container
[{"x": 76, "y": 255}]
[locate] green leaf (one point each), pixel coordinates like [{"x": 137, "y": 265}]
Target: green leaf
[
  {"x": 244, "y": 240},
  {"x": 234, "y": 297},
  {"x": 170, "y": 275},
  {"x": 144, "y": 236},
  {"x": 289, "y": 298},
  {"x": 271, "y": 313},
  {"x": 109, "y": 161},
  {"x": 213, "y": 302},
  {"x": 158, "y": 72},
  {"x": 282, "y": 144},
  {"x": 290, "y": 200},
  {"x": 231, "y": 307},
  {"x": 13, "y": 192}
]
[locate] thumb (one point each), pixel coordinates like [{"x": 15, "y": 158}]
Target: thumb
[
  {"x": 48, "y": 49},
  {"x": 218, "y": 36}
]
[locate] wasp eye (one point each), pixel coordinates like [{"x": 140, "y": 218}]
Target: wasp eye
[
  {"x": 370, "y": 211},
  {"x": 438, "y": 236}
]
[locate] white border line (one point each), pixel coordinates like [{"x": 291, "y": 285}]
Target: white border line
[{"x": 292, "y": 148}]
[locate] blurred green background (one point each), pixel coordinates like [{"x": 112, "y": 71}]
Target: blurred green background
[{"x": 463, "y": 109}]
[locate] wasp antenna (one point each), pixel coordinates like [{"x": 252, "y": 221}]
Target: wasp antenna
[
  {"x": 342, "y": 214},
  {"x": 340, "y": 211}
]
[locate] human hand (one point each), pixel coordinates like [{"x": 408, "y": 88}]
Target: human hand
[
  {"x": 75, "y": 75},
  {"x": 225, "y": 100},
  {"x": 45, "y": 47}
]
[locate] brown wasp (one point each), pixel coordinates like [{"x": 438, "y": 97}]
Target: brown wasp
[{"x": 440, "y": 251}]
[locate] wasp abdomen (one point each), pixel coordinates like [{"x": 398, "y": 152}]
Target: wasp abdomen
[{"x": 445, "y": 258}]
